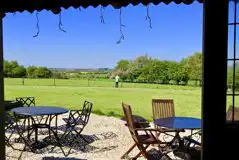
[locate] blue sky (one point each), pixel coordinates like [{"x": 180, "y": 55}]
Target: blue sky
[{"x": 176, "y": 33}]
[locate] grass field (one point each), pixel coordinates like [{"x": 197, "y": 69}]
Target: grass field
[{"x": 107, "y": 99}]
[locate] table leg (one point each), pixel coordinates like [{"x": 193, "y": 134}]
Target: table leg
[
  {"x": 56, "y": 125},
  {"x": 28, "y": 127},
  {"x": 50, "y": 125},
  {"x": 175, "y": 138},
  {"x": 36, "y": 134}
]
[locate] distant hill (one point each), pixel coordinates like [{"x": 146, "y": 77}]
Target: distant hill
[{"x": 81, "y": 69}]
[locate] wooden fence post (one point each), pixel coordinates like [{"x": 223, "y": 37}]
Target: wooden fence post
[{"x": 23, "y": 81}]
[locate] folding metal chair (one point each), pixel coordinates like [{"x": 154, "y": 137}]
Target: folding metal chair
[
  {"x": 28, "y": 102},
  {"x": 78, "y": 118},
  {"x": 9, "y": 124},
  {"x": 75, "y": 124}
]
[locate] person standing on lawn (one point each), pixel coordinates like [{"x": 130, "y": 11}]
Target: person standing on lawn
[{"x": 116, "y": 81}]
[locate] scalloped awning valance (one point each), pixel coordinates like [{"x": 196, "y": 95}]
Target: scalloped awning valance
[{"x": 10, "y": 6}]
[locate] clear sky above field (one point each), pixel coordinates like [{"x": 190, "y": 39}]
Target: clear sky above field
[{"x": 176, "y": 33}]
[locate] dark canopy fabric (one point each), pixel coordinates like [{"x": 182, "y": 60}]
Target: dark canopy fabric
[{"x": 10, "y": 6}]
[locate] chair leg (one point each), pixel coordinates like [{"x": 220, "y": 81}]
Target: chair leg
[
  {"x": 58, "y": 143},
  {"x": 127, "y": 152},
  {"x": 142, "y": 151},
  {"x": 7, "y": 141},
  {"x": 83, "y": 138}
]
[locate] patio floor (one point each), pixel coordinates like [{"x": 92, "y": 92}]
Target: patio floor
[{"x": 108, "y": 139}]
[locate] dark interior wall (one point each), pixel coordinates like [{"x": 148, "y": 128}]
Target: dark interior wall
[
  {"x": 215, "y": 36},
  {"x": 2, "y": 138}
]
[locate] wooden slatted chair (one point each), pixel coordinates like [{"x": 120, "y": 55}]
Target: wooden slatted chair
[
  {"x": 140, "y": 122},
  {"x": 143, "y": 141},
  {"x": 162, "y": 108},
  {"x": 230, "y": 113}
]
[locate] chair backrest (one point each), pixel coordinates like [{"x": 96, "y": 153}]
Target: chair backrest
[
  {"x": 81, "y": 116},
  {"x": 86, "y": 111},
  {"x": 163, "y": 108},
  {"x": 130, "y": 121},
  {"x": 230, "y": 113},
  {"x": 8, "y": 119},
  {"x": 26, "y": 101}
]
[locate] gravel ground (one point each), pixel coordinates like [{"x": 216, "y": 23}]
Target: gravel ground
[{"x": 109, "y": 139}]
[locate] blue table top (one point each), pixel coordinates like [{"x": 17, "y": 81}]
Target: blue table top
[
  {"x": 179, "y": 122},
  {"x": 39, "y": 110}
]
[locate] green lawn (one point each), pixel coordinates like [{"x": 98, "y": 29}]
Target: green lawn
[{"x": 107, "y": 99}]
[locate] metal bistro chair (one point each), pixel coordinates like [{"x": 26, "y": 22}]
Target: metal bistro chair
[
  {"x": 78, "y": 118},
  {"x": 9, "y": 125},
  {"x": 26, "y": 101},
  {"x": 75, "y": 123},
  {"x": 143, "y": 141},
  {"x": 29, "y": 102}
]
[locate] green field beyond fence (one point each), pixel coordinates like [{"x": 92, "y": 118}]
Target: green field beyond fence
[
  {"x": 107, "y": 99},
  {"x": 86, "y": 83}
]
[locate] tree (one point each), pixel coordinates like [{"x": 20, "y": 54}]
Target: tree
[
  {"x": 178, "y": 73},
  {"x": 122, "y": 69},
  {"x": 230, "y": 77},
  {"x": 13, "y": 64},
  {"x": 122, "y": 65},
  {"x": 135, "y": 67},
  {"x": 43, "y": 72},
  {"x": 6, "y": 68},
  {"x": 193, "y": 64},
  {"x": 60, "y": 75},
  {"x": 164, "y": 75},
  {"x": 151, "y": 71},
  {"x": 19, "y": 71},
  {"x": 13, "y": 69},
  {"x": 31, "y": 71}
]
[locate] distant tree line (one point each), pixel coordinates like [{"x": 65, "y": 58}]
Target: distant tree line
[
  {"x": 230, "y": 77},
  {"x": 142, "y": 69},
  {"x": 13, "y": 70},
  {"x": 147, "y": 69}
]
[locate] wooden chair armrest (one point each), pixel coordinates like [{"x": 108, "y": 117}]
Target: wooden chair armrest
[
  {"x": 155, "y": 130},
  {"x": 142, "y": 122},
  {"x": 147, "y": 129}
]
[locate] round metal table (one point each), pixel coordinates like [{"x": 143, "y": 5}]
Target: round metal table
[
  {"x": 179, "y": 122},
  {"x": 30, "y": 112},
  {"x": 39, "y": 111}
]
